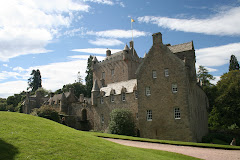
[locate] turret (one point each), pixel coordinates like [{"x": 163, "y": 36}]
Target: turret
[
  {"x": 95, "y": 93},
  {"x": 108, "y": 53},
  {"x": 125, "y": 52},
  {"x": 63, "y": 104}
]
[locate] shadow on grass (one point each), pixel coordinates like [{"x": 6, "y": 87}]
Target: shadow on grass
[{"x": 7, "y": 151}]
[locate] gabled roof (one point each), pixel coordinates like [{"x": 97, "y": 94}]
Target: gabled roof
[
  {"x": 181, "y": 47},
  {"x": 129, "y": 85}
]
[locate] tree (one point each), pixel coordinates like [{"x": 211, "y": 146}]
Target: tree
[
  {"x": 233, "y": 64},
  {"x": 204, "y": 76},
  {"x": 43, "y": 92},
  {"x": 89, "y": 77},
  {"x": 35, "y": 81},
  {"x": 227, "y": 103},
  {"x": 78, "y": 88},
  {"x": 122, "y": 122}
]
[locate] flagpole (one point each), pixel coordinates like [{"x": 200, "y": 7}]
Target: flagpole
[{"x": 132, "y": 34}]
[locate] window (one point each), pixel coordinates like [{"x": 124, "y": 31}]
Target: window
[
  {"x": 149, "y": 115},
  {"x": 166, "y": 72},
  {"x": 101, "y": 100},
  {"x": 112, "y": 98},
  {"x": 103, "y": 75},
  {"x": 154, "y": 74},
  {"x": 174, "y": 88},
  {"x": 112, "y": 72},
  {"x": 123, "y": 96},
  {"x": 102, "y": 119},
  {"x": 136, "y": 115},
  {"x": 177, "y": 114},
  {"x": 148, "y": 93},
  {"x": 136, "y": 94}
]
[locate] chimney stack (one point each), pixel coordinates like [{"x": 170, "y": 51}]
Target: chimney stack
[{"x": 157, "y": 38}]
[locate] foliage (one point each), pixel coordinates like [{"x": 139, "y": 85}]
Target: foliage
[
  {"x": 78, "y": 88},
  {"x": 204, "y": 76},
  {"x": 42, "y": 91},
  {"x": 122, "y": 122},
  {"x": 3, "y": 104},
  {"x": 223, "y": 138},
  {"x": 46, "y": 111},
  {"x": 227, "y": 104},
  {"x": 35, "y": 81},
  {"x": 89, "y": 77},
  {"x": 233, "y": 64},
  {"x": 12, "y": 102},
  {"x": 38, "y": 138}
]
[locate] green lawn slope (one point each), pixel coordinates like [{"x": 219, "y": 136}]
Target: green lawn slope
[{"x": 27, "y": 137}]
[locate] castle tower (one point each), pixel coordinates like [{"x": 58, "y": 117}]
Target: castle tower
[{"x": 95, "y": 93}]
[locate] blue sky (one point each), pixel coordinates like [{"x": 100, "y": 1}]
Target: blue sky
[{"x": 58, "y": 36}]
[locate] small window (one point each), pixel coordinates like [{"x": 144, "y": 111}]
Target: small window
[
  {"x": 154, "y": 74},
  {"x": 149, "y": 115},
  {"x": 136, "y": 115},
  {"x": 102, "y": 119},
  {"x": 101, "y": 100},
  {"x": 103, "y": 75},
  {"x": 174, "y": 88},
  {"x": 123, "y": 96},
  {"x": 112, "y": 72},
  {"x": 112, "y": 98},
  {"x": 136, "y": 95},
  {"x": 148, "y": 92},
  {"x": 177, "y": 114},
  {"x": 166, "y": 72}
]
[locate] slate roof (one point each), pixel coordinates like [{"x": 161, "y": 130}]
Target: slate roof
[
  {"x": 181, "y": 47},
  {"x": 57, "y": 97},
  {"x": 129, "y": 85}
]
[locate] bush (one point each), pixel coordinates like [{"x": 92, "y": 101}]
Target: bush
[
  {"x": 46, "y": 112},
  {"x": 122, "y": 122}
]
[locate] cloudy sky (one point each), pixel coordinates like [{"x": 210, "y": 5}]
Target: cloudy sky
[{"x": 57, "y": 36}]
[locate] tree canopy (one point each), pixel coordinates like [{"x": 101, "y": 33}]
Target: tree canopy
[
  {"x": 204, "y": 76},
  {"x": 233, "y": 64},
  {"x": 35, "y": 81},
  {"x": 89, "y": 77}
]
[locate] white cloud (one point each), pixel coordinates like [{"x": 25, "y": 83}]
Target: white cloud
[
  {"x": 217, "y": 78},
  {"x": 217, "y": 56},
  {"x": 108, "y": 2},
  {"x": 105, "y": 42},
  {"x": 12, "y": 87},
  {"x": 26, "y": 27},
  {"x": 118, "y": 33},
  {"x": 226, "y": 22},
  {"x": 19, "y": 69},
  {"x": 99, "y": 58},
  {"x": 95, "y": 50},
  {"x": 5, "y": 65}
]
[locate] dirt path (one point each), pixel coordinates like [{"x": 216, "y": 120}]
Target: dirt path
[{"x": 203, "y": 153}]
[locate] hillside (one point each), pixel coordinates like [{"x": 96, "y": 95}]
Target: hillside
[{"x": 28, "y": 137}]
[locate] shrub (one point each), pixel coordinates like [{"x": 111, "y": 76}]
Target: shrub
[
  {"x": 122, "y": 122},
  {"x": 46, "y": 112}
]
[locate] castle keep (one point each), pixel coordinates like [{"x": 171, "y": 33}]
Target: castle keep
[{"x": 160, "y": 89}]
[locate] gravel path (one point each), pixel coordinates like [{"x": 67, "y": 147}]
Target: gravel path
[{"x": 202, "y": 153}]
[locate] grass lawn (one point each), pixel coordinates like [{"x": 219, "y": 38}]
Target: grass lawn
[
  {"x": 203, "y": 145},
  {"x": 27, "y": 137}
]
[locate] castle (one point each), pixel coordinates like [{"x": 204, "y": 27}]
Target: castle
[{"x": 161, "y": 90}]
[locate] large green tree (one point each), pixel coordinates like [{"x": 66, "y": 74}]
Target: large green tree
[
  {"x": 35, "y": 81},
  {"x": 77, "y": 87},
  {"x": 233, "y": 65},
  {"x": 227, "y": 104},
  {"x": 209, "y": 88},
  {"x": 204, "y": 76},
  {"x": 89, "y": 77}
]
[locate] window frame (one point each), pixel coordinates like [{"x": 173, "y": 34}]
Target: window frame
[
  {"x": 174, "y": 88},
  {"x": 154, "y": 74},
  {"x": 147, "y": 91},
  {"x": 177, "y": 113},
  {"x": 123, "y": 95},
  {"x": 102, "y": 119},
  {"x": 111, "y": 97},
  {"x": 166, "y": 72},
  {"x": 101, "y": 100},
  {"x": 136, "y": 94},
  {"x": 149, "y": 115}
]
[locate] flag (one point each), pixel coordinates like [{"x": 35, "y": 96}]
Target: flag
[{"x": 132, "y": 20}]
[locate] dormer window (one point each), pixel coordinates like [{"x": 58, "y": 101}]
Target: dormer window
[
  {"x": 111, "y": 98},
  {"x": 154, "y": 74},
  {"x": 123, "y": 96}
]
